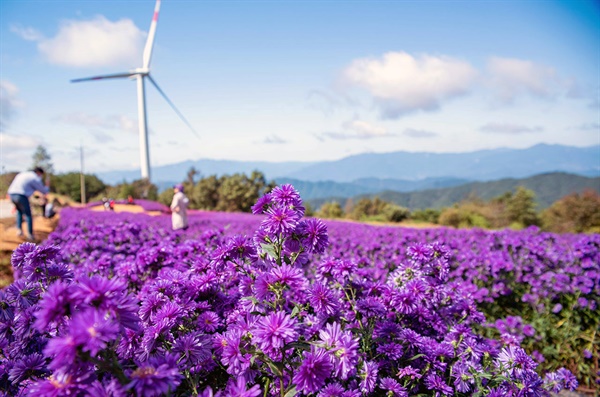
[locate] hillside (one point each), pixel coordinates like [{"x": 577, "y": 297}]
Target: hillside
[
  {"x": 547, "y": 187},
  {"x": 315, "y": 190}
]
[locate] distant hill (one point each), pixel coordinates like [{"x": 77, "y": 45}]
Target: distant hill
[
  {"x": 547, "y": 187},
  {"x": 482, "y": 165},
  {"x": 314, "y": 190}
]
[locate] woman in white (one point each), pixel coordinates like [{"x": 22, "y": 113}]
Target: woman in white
[{"x": 179, "y": 206}]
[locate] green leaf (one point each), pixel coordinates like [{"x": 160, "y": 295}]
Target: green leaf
[
  {"x": 274, "y": 368},
  {"x": 291, "y": 393},
  {"x": 295, "y": 311},
  {"x": 269, "y": 249}
]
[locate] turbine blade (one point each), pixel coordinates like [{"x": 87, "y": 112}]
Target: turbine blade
[
  {"x": 150, "y": 41},
  {"x": 172, "y": 105},
  {"x": 106, "y": 76}
]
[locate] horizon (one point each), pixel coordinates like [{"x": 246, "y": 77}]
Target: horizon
[{"x": 297, "y": 81}]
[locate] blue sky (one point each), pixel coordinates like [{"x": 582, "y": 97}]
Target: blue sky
[{"x": 296, "y": 80}]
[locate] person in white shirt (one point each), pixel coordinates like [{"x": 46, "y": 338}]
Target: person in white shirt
[
  {"x": 21, "y": 188},
  {"x": 179, "y": 206}
]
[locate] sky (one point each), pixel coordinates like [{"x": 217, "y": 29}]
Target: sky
[{"x": 295, "y": 80}]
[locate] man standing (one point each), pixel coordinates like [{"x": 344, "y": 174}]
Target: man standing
[{"x": 21, "y": 188}]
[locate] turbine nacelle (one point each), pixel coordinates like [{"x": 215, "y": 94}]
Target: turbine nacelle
[{"x": 141, "y": 71}]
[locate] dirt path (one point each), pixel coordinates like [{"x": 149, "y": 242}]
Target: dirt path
[{"x": 9, "y": 240}]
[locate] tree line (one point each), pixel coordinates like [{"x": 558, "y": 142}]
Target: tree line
[{"x": 573, "y": 213}]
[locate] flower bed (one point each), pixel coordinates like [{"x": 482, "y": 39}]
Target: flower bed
[{"x": 277, "y": 305}]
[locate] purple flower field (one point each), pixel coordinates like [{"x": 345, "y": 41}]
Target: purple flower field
[{"x": 276, "y": 304}]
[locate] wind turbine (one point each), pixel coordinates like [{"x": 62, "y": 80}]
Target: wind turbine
[{"x": 140, "y": 74}]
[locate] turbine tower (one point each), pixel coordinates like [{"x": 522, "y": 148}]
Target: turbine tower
[{"x": 140, "y": 74}]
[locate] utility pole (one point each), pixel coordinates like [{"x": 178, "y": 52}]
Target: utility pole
[{"x": 82, "y": 176}]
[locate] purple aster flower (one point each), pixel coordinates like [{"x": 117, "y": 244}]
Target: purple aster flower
[
  {"x": 209, "y": 321},
  {"x": 262, "y": 204},
  {"x": 332, "y": 390},
  {"x": 463, "y": 379},
  {"x": 23, "y": 294},
  {"x": 343, "y": 348},
  {"x": 54, "y": 305},
  {"x": 314, "y": 235},
  {"x": 557, "y": 308},
  {"x": 36, "y": 263},
  {"x": 97, "y": 291},
  {"x": 63, "y": 349},
  {"x": 499, "y": 392},
  {"x": 280, "y": 220},
  {"x": 157, "y": 376},
  {"x": 6, "y": 308},
  {"x": 193, "y": 348},
  {"x": 315, "y": 368},
  {"x": 58, "y": 384},
  {"x": 286, "y": 195},
  {"x": 288, "y": 276},
  {"x": 421, "y": 253},
  {"x": 273, "y": 331},
  {"x": 393, "y": 387},
  {"x": 568, "y": 379},
  {"x": 208, "y": 392},
  {"x": 392, "y": 350},
  {"x": 587, "y": 354},
  {"x": 322, "y": 299},
  {"x": 93, "y": 330},
  {"x": 238, "y": 388},
  {"x": 531, "y": 385},
  {"x": 506, "y": 357},
  {"x": 229, "y": 345},
  {"x": 370, "y": 306},
  {"x": 523, "y": 361},
  {"x": 435, "y": 382},
  {"x": 169, "y": 313},
  {"x": 368, "y": 374},
  {"x": 17, "y": 258},
  {"x": 343, "y": 269},
  {"x": 110, "y": 388},
  {"x": 528, "y": 330},
  {"x": 27, "y": 367},
  {"x": 151, "y": 303}
]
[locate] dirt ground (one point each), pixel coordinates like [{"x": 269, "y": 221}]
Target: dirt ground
[{"x": 9, "y": 240}]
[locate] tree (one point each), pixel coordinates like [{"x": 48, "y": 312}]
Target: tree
[
  {"x": 520, "y": 208},
  {"x": 41, "y": 158},
  {"x": 191, "y": 175},
  {"x": 205, "y": 194},
  {"x": 575, "y": 213},
  {"x": 330, "y": 210},
  {"x": 69, "y": 184}
]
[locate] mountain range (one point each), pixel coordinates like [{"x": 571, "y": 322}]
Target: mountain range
[{"x": 394, "y": 168}]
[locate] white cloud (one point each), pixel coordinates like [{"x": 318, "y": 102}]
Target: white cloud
[
  {"x": 510, "y": 77},
  {"x": 508, "y": 128},
  {"x": 401, "y": 83},
  {"x": 113, "y": 122},
  {"x": 9, "y": 101},
  {"x": 29, "y": 34},
  {"x": 414, "y": 133},
  {"x": 274, "y": 139},
  {"x": 595, "y": 126},
  {"x": 364, "y": 130},
  {"x": 356, "y": 129},
  {"x": 92, "y": 43},
  {"x": 10, "y": 142}
]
